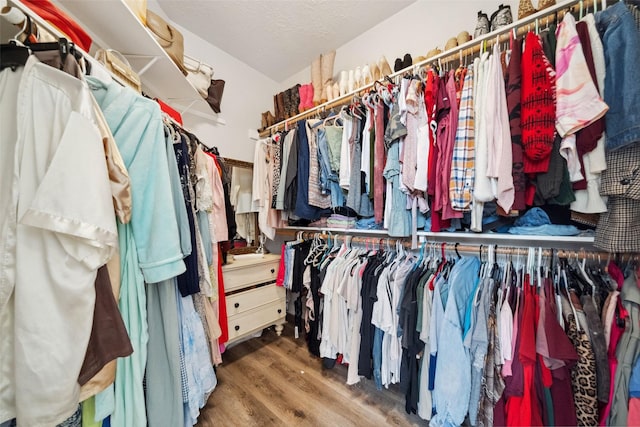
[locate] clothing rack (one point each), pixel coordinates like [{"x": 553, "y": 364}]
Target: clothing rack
[
  {"x": 470, "y": 249},
  {"x": 471, "y": 47}
]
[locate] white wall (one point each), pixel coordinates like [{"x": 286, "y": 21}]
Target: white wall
[
  {"x": 416, "y": 29},
  {"x": 246, "y": 95}
]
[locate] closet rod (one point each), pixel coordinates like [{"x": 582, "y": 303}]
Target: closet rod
[
  {"x": 466, "y": 248},
  {"x": 474, "y": 45}
]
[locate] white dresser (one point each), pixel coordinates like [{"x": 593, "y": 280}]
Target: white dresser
[{"x": 254, "y": 302}]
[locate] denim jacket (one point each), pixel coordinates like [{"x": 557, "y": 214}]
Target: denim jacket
[{"x": 453, "y": 367}]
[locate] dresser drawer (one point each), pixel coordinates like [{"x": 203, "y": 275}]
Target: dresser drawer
[
  {"x": 242, "y": 276},
  {"x": 247, "y": 300},
  {"x": 256, "y": 319}
]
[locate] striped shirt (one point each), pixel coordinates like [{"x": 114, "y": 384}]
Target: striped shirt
[{"x": 463, "y": 161}]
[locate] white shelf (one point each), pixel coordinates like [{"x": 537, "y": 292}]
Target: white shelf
[
  {"x": 113, "y": 25},
  {"x": 503, "y": 239}
]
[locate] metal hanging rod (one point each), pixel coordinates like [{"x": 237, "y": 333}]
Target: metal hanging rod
[
  {"x": 479, "y": 249},
  {"x": 469, "y": 48}
]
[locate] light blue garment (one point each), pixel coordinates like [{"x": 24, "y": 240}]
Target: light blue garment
[
  {"x": 129, "y": 409},
  {"x": 323, "y": 158},
  {"x": 536, "y": 222},
  {"x": 201, "y": 378},
  {"x": 329, "y": 180},
  {"x": 368, "y": 224},
  {"x": 150, "y": 244},
  {"x": 621, "y": 42},
  {"x": 205, "y": 234},
  {"x": 399, "y": 217},
  {"x": 440, "y": 298},
  {"x": 164, "y": 365},
  {"x": 105, "y": 401},
  {"x": 453, "y": 379},
  {"x": 546, "y": 230},
  {"x": 163, "y": 381},
  {"x": 289, "y": 254},
  {"x": 470, "y": 315},
  {"x": 634, "y": 382},
  {"x": 136, "y": 124},
  {"x": 377, "y": 357},
  {"x": 532, "y": 218}
]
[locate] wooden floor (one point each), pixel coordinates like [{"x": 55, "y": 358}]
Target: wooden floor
[{"x": 274, "y": 381}]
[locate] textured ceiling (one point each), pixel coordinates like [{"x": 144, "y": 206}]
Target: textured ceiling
[{"x": 279, "y": 37}]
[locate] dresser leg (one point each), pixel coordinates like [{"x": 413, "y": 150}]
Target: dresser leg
[{"x": 279, "y": 329}]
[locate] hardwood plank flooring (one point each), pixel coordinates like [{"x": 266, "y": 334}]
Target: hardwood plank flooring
[{"x": 274, "y": 381}]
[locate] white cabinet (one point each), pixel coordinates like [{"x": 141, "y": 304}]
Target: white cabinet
[{"x": 254, "y": 302}]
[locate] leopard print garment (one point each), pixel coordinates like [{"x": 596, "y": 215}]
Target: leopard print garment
[
  {"x": 492, "y": 382},
  {"x": 276, "y": 150},
  {"x": 583, "y": 376}
]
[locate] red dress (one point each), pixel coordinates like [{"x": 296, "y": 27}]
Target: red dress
[{"x": 524, "y": 410}]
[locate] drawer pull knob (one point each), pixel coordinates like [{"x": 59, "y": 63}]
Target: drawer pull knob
[
  {"x": 279, "y": 310},
  {"x": 273, "y": 270},
  {"x": 236, "y": 305},
  {"x": 237, "y": 327}
]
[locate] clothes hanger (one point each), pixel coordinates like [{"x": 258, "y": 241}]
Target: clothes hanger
[
  {"x": 566, "y": 288},
  {"x": 12, "y": 55}
]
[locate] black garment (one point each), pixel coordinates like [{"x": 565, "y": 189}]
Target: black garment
[
  {"x": 596, "y": 333},
  {"x": 188, "y": 281},
  {"x": 313, "y": 343},
  {"x": 291, "y": 182},
  {"x": 302, "y": 207},
  {"x": 301, "y": 250},
  {"x": 548, "y": 37},
  {"x": 369, "y": 294},
  {"x": 411, "y": 343},
  {"x": 232, "y": 226}
]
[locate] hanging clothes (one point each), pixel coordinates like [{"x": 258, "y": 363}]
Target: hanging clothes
[
  {"x": 499, "y": 140},
  {"x": 627, "y": 351},
  {"x": 538, "y": 110},
  {"x": 40, "y": 199},
  {"x": 513, "y": 78},
  {"x": 123, "y": 109},
  {"x": 462, "y": 171},
  {"x": 453, "y": 370}
]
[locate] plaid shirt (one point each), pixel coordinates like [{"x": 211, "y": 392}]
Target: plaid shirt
[
  {"x": 619, "y": 227},
  {"x": 463, "y": 161}
]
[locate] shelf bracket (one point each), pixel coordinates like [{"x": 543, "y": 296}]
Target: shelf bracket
[
  {"x": 188, "y": 107},
  {"x": 152, "y": 60}
]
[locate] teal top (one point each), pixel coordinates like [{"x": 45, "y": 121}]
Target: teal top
[{"x": 136, "y": 124}]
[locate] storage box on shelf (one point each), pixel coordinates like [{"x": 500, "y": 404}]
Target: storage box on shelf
[{"x": 254, "y": 302}]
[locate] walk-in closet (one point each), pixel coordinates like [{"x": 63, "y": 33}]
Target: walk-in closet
[{"x": 319, "y": 213}]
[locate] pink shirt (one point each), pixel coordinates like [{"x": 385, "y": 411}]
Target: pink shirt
[
  {"x": 447, "y": 128},
  {"x": 578, "y": 101}
]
